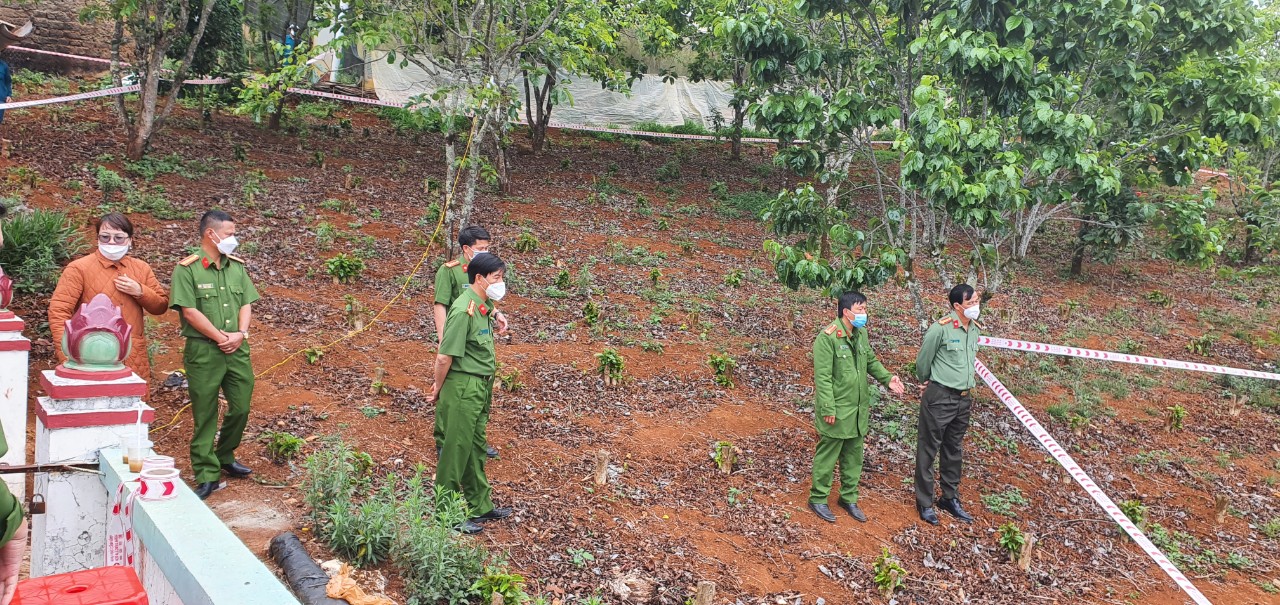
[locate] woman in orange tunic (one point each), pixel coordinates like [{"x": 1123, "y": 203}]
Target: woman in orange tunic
[{"x": 126, "y": 280}]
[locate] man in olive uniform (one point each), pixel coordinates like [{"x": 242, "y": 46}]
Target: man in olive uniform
[
  {"x": 945, "y": 366},
  {"x": 13, "y": 535},
  {"x": 451, "y": 282},
  {"x": 214, "y": 296},
  {"x": 842, "y": 359},
  {"x": 463, "y": 390}
]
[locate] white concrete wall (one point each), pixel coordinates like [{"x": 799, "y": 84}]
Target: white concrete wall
[
  {"x": 71, "y": 535},
  {"x": 13, "y": 409}
]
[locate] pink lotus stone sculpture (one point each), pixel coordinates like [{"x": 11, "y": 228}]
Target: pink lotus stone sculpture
[{"x": 96, "y": 342}]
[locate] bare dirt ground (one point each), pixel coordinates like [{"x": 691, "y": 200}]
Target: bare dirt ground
[{"x": 599, "y": 212}]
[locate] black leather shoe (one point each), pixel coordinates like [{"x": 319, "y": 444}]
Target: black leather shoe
[
  {"x": 928, "y": 516},
  {"x": 235, "y": 469},
  {"x": 953, "y": 506},
  {"x": 468, "y": 528},
  {"x": 204, "y": 489},
  {"x": 493, "y": 515},
  {"x": 490, "y": 451},
  {"x": 853, "y": 511},
  {"x": 823, "y": 511}
]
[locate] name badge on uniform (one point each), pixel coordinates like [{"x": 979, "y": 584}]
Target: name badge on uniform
[
  {"x": 204, "y": 286},
  {"x": 482, "y": 332}
]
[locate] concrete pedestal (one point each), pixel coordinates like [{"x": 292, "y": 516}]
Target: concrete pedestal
[
  {"x": 76, "y": 420},
  {"x": 14, "y": 351}
]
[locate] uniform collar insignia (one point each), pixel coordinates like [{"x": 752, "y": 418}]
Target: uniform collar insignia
[{"x": 205, "y": 261}]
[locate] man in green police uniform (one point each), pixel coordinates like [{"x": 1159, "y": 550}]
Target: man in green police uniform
[
  {"x": 463, "y": 390},
  {"x": 842, "y": 359},
  {"x": 945, "y": 366},
  {"x": 214, "y": 296},
  {"x": 451, "y": 282}
]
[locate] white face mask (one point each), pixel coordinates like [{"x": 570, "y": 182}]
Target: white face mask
[
  {"x": 113, "y": 252},
  {"x": 475, "y": 253},
  {"x": 496, "y": 291},
  {"x": 228, "y": 245},
  {"x": 972, "y": 312}
]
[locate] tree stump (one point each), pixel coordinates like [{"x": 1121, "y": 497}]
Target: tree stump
[
  {"x": 1024, "y": 557},
  {"x": 602, "y": 467},
  {"x": 378, "y": 386},
  {"x": 1221, "y": 505},
  {"x": 706, "y": 594},
  {"x": 497, "y": 599}
]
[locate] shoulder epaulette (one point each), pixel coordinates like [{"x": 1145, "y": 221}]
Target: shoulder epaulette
[
  {"x": 451, "y": 264},
  {"x": 831, "y": 329},
  {"x": 975, "y": 322},
  {"x": 471, "y": 308},
  {"x": 186, "y": 262},
  {"x": 945, "y": 319},
  {"x": 237, "y": 259}
]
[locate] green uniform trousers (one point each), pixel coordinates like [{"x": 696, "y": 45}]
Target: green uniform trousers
[
  {"x": 462, "y": 411},
  {"x": 944, "y": 419},
  {"x": 208, "y": 370},
  {"x": 847, "y": 452}
]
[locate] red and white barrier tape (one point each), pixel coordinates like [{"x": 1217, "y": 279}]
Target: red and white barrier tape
[
  {"x": 106, "y": 92},
  {"x": 58, "y": 54},
  {"x": 1087, "y": 483},
  {"x": 120, "y": 544},
  {"x": 1039, "y": 347}
]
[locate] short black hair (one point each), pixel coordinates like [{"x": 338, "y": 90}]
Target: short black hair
[
  {"x": 960, "y": 293},
  {"x": 847, "y": 301},
  {"x": 471, "y": 234},
  {"x": 484, "y": 264},
  {"x": 213, "y": 218},
  {"x": 115, "y": 220}
]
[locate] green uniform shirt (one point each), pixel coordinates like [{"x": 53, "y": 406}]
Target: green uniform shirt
[
  {"x": 841, "y": 363},
  {"x": 10, "y": 509},
  {"x": 468, "y": 336},
  {"x": 451, "y": 280},
  {"x": 217, "y": 292},
  {"x": 948, "y": 352}
]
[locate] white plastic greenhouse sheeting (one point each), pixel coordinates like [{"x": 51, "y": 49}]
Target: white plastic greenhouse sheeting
[{"x": 650, "y": 100}]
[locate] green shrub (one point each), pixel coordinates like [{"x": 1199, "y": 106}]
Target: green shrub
[
  {"x": 749, "y": 203},
  {"x": 670, "y": 171},
  {"x": 526, "y": 241},
  {"x": 889, "y": 573},
  {"x": 282, "y": 446},
  {"x": 1012, "y": 540},
  {"x": 344, "y": 268},
  {"x": 36, "y": 245},
  {"x": 407, "y": 521},
  {"x": 110, "y": 181},
  {"x": 723, "y": 366},
  {"x": 1002, "y": 503}
]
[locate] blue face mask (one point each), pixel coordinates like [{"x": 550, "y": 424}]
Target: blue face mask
[{"x": 859, "y": 320}]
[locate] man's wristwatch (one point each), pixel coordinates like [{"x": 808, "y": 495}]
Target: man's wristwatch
[{"x": 245, "y": 333}]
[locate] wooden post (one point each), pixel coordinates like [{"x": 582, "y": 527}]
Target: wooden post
[
  {"x": 602, "y": 467},
  {"x": 379, "y": 380},
  {"x": 706, "y": 594}
]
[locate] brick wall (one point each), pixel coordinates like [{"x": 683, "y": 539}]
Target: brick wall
[{"x": 57, "y": 27}]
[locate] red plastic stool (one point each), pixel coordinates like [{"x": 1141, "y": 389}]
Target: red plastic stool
[{"x": 101, "y": 586}]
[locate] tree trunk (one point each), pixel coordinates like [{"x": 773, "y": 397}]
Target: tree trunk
[
  {"x": 739, "y": 113},
  {"x": 1252, "y": 247},
  {"x": 1077, "y": 255},
  {"x": 273, "y": 121},
  {"x": 139, "y": 132},
  {"x": 539, "y": 102}
]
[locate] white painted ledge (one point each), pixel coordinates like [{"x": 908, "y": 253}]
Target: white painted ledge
[{"x": 201, "y": 561}]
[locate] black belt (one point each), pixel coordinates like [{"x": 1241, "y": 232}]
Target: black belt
[
  {"x": 956, "y": 392},
  {"x": 488, "y": 378}
]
